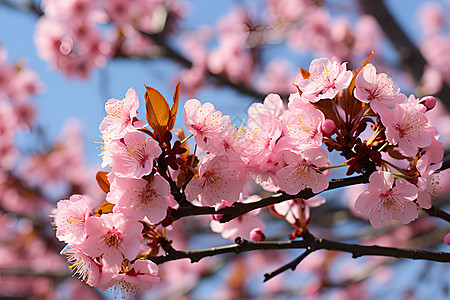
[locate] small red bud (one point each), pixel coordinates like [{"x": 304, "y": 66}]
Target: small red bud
[
  {"x": 217, "y": 217},
  {"x": 257, "y": 235},
  {"x": 328, "y": 127},
  {"x": 429, "y": 102}
]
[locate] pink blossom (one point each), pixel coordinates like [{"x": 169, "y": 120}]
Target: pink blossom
[
  {"x": 297, "y": 209},
  {"x": 204, "y": 122},
  {"x": 367, "y": 35},
  {"x": 304, "y": 126},
  {"x": 277, "y": 78},
  {"x": 113, "y": 238},
  {"x": 139, "y": 276},
  {"x": 272, "y": 106},
  {"x": 407, "y": 127},
  {"x": 376, "y": 89},
  {"x": 427, "y": 183},
  {"x": 260, "y": 141},
  {"x": 382, "y": 202},
  {"x": 70, "y": 219},
  {"x": 87, "y": 269},
  {"x": 430, "y": 155},
  {"x": 121, "y": 116},
  {"x": 240, "y": 226},
  {"x": 218, "y": 179},
  {"x": 141, "y": 198},
  {"x": 134, "y": 156},
  {"x": 326, "y": 80},
  {"x": 302, "y": 171}
]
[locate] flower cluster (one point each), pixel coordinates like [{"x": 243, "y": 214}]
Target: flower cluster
[
  {"x": 103, "y": 247},
  {"x": 70, "y": 37},
  {"x": 380, "y": 132}
]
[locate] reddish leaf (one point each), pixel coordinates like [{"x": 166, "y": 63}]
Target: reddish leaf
[
  {"x": 305, "y": 73},
  {"x": 352, "y": 83},
  {"x": 103, "y": 181},
  {"x": 174, "y": 109},
  {"x": 105, "y": 208},
  {"x": 158, "y": 112}
]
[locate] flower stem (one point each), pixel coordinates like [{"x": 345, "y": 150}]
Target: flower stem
[
  {"x": 332, "y": 167},
  {"x": 187, "y": 138},
  {"x": 374, "y": 136}
]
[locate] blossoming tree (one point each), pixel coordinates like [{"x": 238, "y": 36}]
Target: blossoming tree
[{"x": 337, "y": 158}]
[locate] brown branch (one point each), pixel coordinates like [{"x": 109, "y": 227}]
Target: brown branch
[
  {"x": 238, "y": 208},
  {"x": 411, "y": 58},
  {"x": 240, "y": 246},
  {"x": 311, "y": 245},
  {"x": 292, "y": 265}
]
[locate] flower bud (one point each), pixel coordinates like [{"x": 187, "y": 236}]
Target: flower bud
[
  {"x": 429, "y": 102},
  {"x": 328, "y": 127},
  {"x": 447, "y": 239},
  {"x": 257, "y": 235}
]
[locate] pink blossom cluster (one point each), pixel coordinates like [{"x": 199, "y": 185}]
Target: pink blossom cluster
[
  {"x": 79, "y": 36},
  {"x": 18, "y": 85},
  {"x": 280, "y": 148},
  {"x": 308, "y": 26},
  {"x": 103, "y": 248}
]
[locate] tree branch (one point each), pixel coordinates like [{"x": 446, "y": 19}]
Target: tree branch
[
  {"x": 311, "y": 245},
  {"x": 238, "y": 208}
]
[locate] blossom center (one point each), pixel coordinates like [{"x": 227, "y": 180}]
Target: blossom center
[
  {"x": 147, "y": 195},
  {"x": 113, "y": 238}
]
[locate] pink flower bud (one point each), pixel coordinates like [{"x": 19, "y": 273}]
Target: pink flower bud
[
  {"x": 429, "y": 102},
  {"x": 257, "y": 235},
  {"x": 328, "y": 127},
  {"x": 446, "y": 238}
]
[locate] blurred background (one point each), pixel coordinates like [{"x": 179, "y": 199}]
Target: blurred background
[{"x": 60, "y": 61}]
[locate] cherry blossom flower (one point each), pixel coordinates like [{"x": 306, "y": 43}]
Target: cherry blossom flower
[
  {"x": 272, "y": 106},
  {"x": 240, "y": 226},
  {"x": 407, "y": 127},
  {"x": 427, "y": 183},
  {"x": 70, "y": 219},
  {"x": 138, "y": 276},
  {"x": 430, "y": 155},
  {"x": 121, "y": 116},
  {"x": 260, "y": 141},
  {"x": 85, "y": 267},
  {"x": 206, "y": 123},
  {"x": 326, "y": 79},
  {"x": 141, "y": 198},
  {"x": 304, "y": 126},
  {"x": 302, "y": 171},
  {"x": 133, "y": 157},
  {"x": 382, "y": 202},
  {"x": 218, "y": 179},
  {"x": 297, "y": 209},
  {"x": 376, "y": 89},
  {"x": 113, "y": 238}
]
